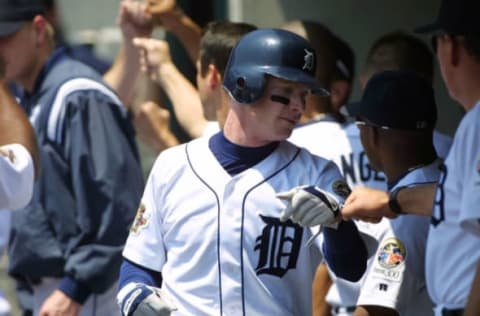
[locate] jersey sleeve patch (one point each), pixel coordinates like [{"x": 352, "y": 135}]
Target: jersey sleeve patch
[
  {"x": 390, "y": 261},
  {"x": 391, "y": 254},
  {"x": 141, "y": 220}
]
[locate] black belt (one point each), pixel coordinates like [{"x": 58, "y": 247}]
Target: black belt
[
  {"x": 452, "y": 312},
  {"x": 343, "y": 309}
]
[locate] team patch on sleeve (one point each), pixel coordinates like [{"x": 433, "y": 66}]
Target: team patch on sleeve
[
  {"x": 141, "y": 220},
  {"x": 391, "y": 254},
  {"x": 341, "y": 188},
  {"x": 390, "y": 261}
]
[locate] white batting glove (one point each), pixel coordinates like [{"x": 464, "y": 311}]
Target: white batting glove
[
  {"x": 137, "y": 299},
  {"x": 310, "y": 206}
]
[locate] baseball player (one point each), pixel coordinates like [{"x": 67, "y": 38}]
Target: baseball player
[
  {"x": 453, "y": 270},
  {"x": 210, "y": 221},
  {"x": 340, "y": 142},
  {"x": 66, "y": 242},
  {"x": 396, "y": 116},
  {"x": 397, "y": 50}
]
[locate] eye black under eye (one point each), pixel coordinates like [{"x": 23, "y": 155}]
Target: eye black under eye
[{"x": 280, "y": 99}]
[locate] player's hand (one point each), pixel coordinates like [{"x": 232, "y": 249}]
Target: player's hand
[
  {"x": 164, "y": 12},
  {"x": 59, "y": 304},
  {"x": 136, "y": 299},
  {"x": 152, "y": 123},
  {"x": 133, "y": 19},
  {"x": 154, "y": 54},
  {"x": 368, "y": 205},
  {"x": 310, "y": 206}
]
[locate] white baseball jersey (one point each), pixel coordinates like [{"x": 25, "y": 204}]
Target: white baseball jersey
[
  {"x": 342, "y": 145},
  {"x": 211, "y": 128},
  {"x": 5, "y": 217},
  {"x": 442, "y": 144},
  {"x": 396, "y": 278},
  {"x": 453, "y": 250},
  {"x": 218, "y": 240},
  {"x": 16, "y": 176},
  {"x": 343, "y": 293}
]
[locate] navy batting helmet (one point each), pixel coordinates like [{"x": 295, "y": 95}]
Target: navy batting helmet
[{"x": 278, "y": 53}]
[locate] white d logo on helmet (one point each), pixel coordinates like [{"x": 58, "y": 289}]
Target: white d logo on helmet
[{"x": 308, "y": 58}]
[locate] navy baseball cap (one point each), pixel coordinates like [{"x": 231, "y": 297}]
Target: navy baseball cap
[
  {"x": 397, "y": 99},
  {"x": 459, "y": 17},
  {"x": 13, "y": 13}
]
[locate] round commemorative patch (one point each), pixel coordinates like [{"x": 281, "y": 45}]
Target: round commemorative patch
[
  {"x": 140, "y": 221},
  {"x": 341, "y": 188},
  {"x": 392, "y": 253}
]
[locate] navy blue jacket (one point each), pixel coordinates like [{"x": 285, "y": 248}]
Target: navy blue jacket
[{"x": 90, "y": 186}]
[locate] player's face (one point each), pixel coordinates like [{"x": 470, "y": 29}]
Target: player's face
[
  {"x": 444, "y": 46},
  {"x": 367, "y": 138},
  {"x": 279, "y": 110},
  {"x": 16, "y": 51}
]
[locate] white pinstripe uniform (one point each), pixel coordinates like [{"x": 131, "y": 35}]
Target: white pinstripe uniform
[{"x": 217, "y": 239}]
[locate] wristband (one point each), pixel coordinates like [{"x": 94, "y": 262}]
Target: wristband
[{"x": 393, "y": 202}]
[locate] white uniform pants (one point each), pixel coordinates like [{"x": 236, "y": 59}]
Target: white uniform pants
[{"x": 104, "y": 304}]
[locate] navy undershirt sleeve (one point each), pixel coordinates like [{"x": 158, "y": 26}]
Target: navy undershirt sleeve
[
  {"x": 132, "y": 272},
  {"x": 345, "y": 251}
]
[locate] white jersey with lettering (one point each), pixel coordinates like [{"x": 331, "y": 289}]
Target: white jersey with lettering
[
  {"x": 343, "y": 294},
  {"x": 16, "y": 176},
  {"x": 342, "y": 145},
  {"x": 453, "y": 250},
  {"x": 396, "y": 279},
  {"x": 218, "y": 240}
]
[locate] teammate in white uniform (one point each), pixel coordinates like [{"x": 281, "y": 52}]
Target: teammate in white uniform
[
  {"x": 338, "y": 141},
  {"x": 18, "y": 151},
  {"x": 18, "y": 161},
  {"x": 395, "y": 50},
  {"x": 397, "y": 115},
  {"x": 453, "y": 255},
  {"x": 210, "y": 221},
  {"x": 202, "y": 111}
]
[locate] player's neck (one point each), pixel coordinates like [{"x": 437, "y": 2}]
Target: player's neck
[{"x": 395, "y": 167}]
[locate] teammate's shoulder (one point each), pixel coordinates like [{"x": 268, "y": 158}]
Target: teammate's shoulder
[{"x": 310, "y": 159}]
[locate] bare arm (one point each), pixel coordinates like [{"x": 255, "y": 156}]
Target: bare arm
[
  {"x": 156, "y": 61},
  {"x": 320, "y": 287},
  {"x": 473, "y": 303},
  {"x": 371, "y": 205},
  {"x": 14, "y": 124},
  {"x": 133, "y": 21},
  {"x": 153, "y": 126},
  {"x": 165, "y": 13}
]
